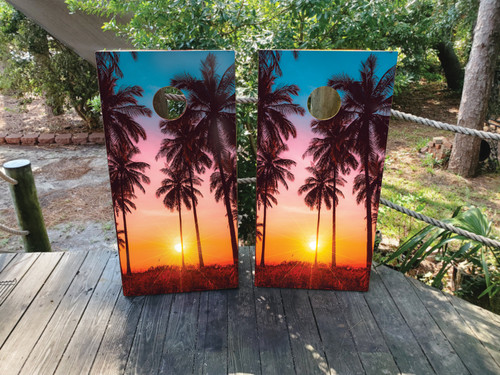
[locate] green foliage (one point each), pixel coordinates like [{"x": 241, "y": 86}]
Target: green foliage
[
  {"x": 453, "y": 250},
  {"x": 430, "y": 162},
  {"x": 410, "y": 27},
  {"x": 247, "y": 135},
  {"x": 35, "y": 63}
]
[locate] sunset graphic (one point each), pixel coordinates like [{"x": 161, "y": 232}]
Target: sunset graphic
[
  {"x": 318, "y": 179},
  {"x": 173, "y": 179}
]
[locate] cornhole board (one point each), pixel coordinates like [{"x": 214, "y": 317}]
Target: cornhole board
[
  {"x": 322, "y": 129},
  {"x": 169, "y": 121}
]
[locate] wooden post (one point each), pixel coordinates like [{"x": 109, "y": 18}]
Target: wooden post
[{"x": 29, "y": 214}]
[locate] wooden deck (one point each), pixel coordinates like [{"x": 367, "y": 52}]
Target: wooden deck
[{"x": 65, "y": 314}]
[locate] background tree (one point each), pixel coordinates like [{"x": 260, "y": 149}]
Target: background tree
[
  {"x": 477, "y": 88},
  {"x": 424, "y": 32},
  {"x": 34, "y": 63}
]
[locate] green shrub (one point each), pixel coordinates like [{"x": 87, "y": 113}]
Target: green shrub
[
  {"x": 453, "y": 251},
  {"x": 34, "y": 63}
]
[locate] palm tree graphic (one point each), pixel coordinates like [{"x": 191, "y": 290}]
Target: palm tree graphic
[
  {"x": 217, "y": 188},
  {"x": 125, "y": 175},
  {"x": 185, "y": 149},
  {"x": 333, "y": 152},
  {"x": 177, "y": 189},
  {"x": 272, "y": 170},
  {"x": 275, "y": 104},
  {"x": 318, "y": 188},
  {"x": 368, "y": 101},
  {"x": 374, "y": 184},
  {"x": 212, "y": 101},
  {"x": 119, "y": 107}
]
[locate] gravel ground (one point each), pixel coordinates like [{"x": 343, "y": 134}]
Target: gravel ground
[{"x": 73, "y": 189}]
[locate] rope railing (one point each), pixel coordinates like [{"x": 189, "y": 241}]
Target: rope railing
[
  {"x": 397, "y": 114},
  {"x": 429, "y": 220},
  {"x": 445, "y": 126},
  {"x": 419, "y": 120},
  {"x": 10, "y": 180},
  {"x": 440, "y": 224},
  {"x": 14, "y": 231}
]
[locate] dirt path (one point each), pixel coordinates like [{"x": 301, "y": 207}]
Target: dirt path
[{"x": 35, "y": 117}]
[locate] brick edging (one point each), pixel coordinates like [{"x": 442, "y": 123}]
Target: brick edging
[{"x": 52, "y": 138}]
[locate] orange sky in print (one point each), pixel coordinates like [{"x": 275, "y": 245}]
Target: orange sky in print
[
  {"x": 290, "y": 224},
  {"x": 153, "y": 230}
]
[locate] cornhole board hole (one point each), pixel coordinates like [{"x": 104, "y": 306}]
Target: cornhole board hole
[
  {"x": 169, "y": 121},
  {"x": 323, "y": 119}
]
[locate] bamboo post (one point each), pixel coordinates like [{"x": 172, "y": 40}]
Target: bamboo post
[{"x": 29, "y": 214}]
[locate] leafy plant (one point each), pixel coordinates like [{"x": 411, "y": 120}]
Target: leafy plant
[
  {"x": 451, "y": 250},
  {"x": 34, "y": 63}
]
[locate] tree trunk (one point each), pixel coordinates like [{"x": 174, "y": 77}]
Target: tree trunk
[
  {"x": 369, "y": 234},
  {"x": 334, "y": 224},
  {"x": 477, "y": 88},
  {"x": 317, "y": 232},
  {"x": 262, "y": 261},
  {"x": 198, "y": 240},
  {"x": 129, "y": 271},
  {"x": 451, "y": 66},
  {"x": 180, "y": 229},
  {"x": 229, "y": 213}
]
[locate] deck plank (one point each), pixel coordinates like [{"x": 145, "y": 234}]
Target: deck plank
[
  {"x": 370, "y": 343},
  {"x": 470, "y": 350},
  {"x": 211, "y": 348},
  {"x": 180, "y": 341},
  {"x": 148, "y": 341},
  {"x": 29, "y": 283},
  {"x": 482, "y": 322},
  {"x": 274, "y": 343},
  {"x": 116, "y": 345},
  {"x": 84, "y": 344},
  {"x": 305, "y": 341},
  {"x": 399, "y": 326},
  {"x": 437, "y": 348},
  {"x": 5, "y": 259},
  {"x": 50, "y": 347},
  {"x": 36, "y": 317},
  {"x": 398, "y": 336},
  {"x": 243, "y": 353},
  {"x": 337, "y": 339}
]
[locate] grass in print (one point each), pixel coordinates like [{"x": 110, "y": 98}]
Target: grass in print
[
  {"x": 174, "y": 279},
  {"x": 306, "y": 276}
]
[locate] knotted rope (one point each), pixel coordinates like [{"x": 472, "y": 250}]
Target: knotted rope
[
  {"x": 14, "y": 231},
  {"x": 429, "y": 220},
  {"x": 10, "y": 180}
]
